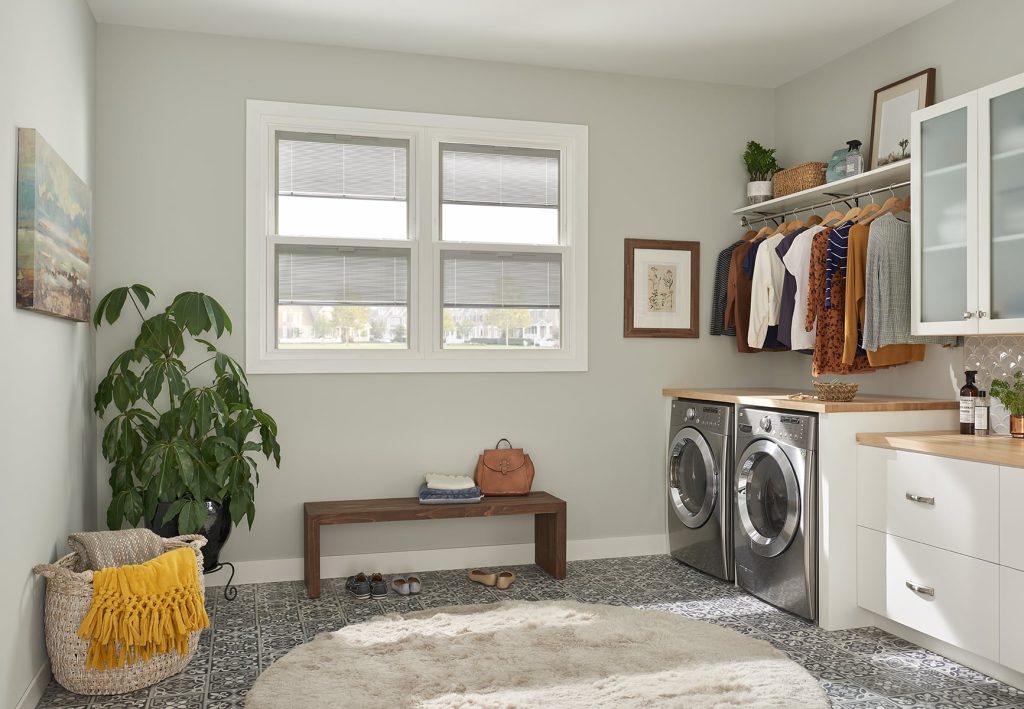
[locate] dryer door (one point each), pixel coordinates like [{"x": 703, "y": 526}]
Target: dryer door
[
  {"x": 767, "y": 498},
  {"x": 692, "y": 478}
]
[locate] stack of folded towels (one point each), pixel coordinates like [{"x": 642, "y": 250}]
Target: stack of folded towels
[{"x": 438, "y": 489}]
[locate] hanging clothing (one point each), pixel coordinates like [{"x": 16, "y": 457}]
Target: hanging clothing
[
  {"x": 720, "y": 295},
  {"x": 798, "y": 263},
  {"x": 856, "y": 279},
  {"x": 766, "y": 291},
  {"x": 887, "y": 287},
  {"x": 835, "y": 257},
  {"x": 787, "y": 303},
  {"x": 829, "y": 323},
  {"x": 737, "y": 306}
]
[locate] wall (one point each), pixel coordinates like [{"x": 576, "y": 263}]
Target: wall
[
  {"x": 47, "y": 70},
  {"x": 170, "y": 117},
  {"x": 970, "y": 43}
]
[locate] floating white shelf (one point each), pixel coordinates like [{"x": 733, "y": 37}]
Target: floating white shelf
[{"x": 879, "y": 178}]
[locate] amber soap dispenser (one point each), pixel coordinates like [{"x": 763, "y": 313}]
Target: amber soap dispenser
[{"x": 968, "y": 395}]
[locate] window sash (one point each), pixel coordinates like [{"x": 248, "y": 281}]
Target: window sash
[
  {"x": 342, "y": 166},
  {"x": 499, "y": 176},
  {"x": 493, "y": 279},
  {"x": 333, "y": 275}
]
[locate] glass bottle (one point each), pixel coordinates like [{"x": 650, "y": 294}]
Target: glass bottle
[
  {"x": 968, "y": 394},
  {"x": 854, "y": 160},
  {"x": 981, "y": 409}
]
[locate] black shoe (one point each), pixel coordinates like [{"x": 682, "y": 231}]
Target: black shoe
[
  {"x": 378, "y": 587},
  {"x": 358, "y": 586}
]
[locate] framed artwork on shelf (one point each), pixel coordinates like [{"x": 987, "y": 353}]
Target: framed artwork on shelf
[
  {"x": 662, "y": 288},
  {"x": 890, "y": 116},
  {"x": 54, "y": 232}
]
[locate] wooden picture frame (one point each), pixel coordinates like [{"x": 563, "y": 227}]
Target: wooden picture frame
[
  {"x": 902, "y": 97},
  {"x": 664, "y": 301}
]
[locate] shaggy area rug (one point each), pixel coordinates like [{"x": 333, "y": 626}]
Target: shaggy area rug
[{"x": 535, "y": 654}]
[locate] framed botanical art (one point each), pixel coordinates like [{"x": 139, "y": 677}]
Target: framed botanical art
[
  {"x": 662, "y": 288},
  {"x": 54, "y": 232},
  {"x": 890, "y": 117}
]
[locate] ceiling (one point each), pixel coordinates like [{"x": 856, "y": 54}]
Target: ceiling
[{"x": 747, "y": 42}]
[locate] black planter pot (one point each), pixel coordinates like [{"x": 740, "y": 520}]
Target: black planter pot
[{"x": 216, "y": 528}]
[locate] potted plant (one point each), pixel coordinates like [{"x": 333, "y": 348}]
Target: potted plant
[
  {"x": 182, "y": 455},
  {"x": 761, "y": 166},
  {"x": 1011, "y": 394}
]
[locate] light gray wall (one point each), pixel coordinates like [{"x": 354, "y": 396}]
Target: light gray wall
[
  {"x": 170, "y": 146},
  {"x": 970, "y": 43},
  {"x": 47, "y": 71}
]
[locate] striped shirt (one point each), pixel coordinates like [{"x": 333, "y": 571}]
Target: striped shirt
[
  {"x": 721, "y": 293},
  {"x": 835, "y": 257}
]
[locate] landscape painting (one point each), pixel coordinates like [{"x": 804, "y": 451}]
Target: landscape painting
[{"x": 54, "y": 232}]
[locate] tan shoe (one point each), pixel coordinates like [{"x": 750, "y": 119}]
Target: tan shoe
[
  {"x": 505, "y": 579},
  {"x": 485, "y": 577}
]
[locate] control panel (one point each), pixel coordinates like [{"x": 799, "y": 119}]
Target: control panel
[
  {"x": 795, "y": 429},
  {"x": 710, "y": 418}
]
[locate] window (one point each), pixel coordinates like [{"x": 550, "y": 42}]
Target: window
[{"x": 390, "y": 241}]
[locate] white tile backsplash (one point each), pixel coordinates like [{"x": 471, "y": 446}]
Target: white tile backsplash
[{"x": 995, "y": 356}]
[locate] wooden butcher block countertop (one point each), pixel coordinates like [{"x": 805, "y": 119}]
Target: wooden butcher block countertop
[
  {"x": 997, "y": 450},
  {"x": 779, "y": 399}
]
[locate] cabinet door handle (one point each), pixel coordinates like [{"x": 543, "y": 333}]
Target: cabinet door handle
[
  {"x": 923, "y": 590},
  {"x": 968, "y": 315},
  {"x": 982, "y": 314},
  {"x": 920, "y": 498}
]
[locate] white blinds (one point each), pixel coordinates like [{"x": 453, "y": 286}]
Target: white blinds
[
  {"x": 315, "y": 165},
  {"x": 493, "y": 280},
  {"x": 333, "y": 276},
  {"x": 481, "y": 174}
]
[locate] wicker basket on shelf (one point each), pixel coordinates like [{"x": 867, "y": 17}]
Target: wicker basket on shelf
[
  {"x": 69, "y": 586},
  {"x": 836, "y": 391},
  {"x": 801, "y": 177}
]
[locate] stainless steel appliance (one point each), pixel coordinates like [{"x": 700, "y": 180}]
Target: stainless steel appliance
[
  {"x": 777, "y": 508},
  {"x": 699, "y": 486}
]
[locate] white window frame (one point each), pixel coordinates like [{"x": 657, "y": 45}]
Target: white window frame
[{"x": 425, "y": 132}]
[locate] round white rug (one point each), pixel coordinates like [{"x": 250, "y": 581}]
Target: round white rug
[{"x": 535, "y": 654}]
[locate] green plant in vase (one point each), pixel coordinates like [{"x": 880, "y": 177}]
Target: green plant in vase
[
  {"x": 1011, "y": 394},
  {"x": 184, "y": 440},
  {"x": 761, "y": 166}
]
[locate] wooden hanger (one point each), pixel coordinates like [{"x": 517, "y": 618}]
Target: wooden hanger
[
  {"x": 765, "y": 231},
  {"x": 832, "y": 217},
  {"x": 749, "y": 236},
  {"x": 891, "y": 206}
]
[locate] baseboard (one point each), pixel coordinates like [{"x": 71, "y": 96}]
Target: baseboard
[
  {"x": 270, "y": 570},
  {"x": 964, "y": 657},
  {"x": 36, "y": 687}
]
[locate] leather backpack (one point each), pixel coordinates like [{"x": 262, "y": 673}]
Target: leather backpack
[{"x": 504, "y": 471}]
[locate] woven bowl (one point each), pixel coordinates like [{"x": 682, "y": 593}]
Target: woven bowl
[{"x": 836, "y": 391}]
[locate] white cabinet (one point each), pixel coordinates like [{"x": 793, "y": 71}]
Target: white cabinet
[
  {"x": 947, "y": 595},
  {"x": 948, "y": 503},
  {"x": 967, "y": 227},
  {"x": 1011, "y": 520},
  {"x": 1011, "y": 628}
]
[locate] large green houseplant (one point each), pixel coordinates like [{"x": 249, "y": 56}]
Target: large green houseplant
[
  {"x": 1011, "y": 394},
  {"x": 761, "y": 166},
  {"x": 186, "y": 450}
]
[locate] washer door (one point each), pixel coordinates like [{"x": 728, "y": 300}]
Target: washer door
[
  {"x": 767, "y": 497},
  {"x": 692, "y": 478}
]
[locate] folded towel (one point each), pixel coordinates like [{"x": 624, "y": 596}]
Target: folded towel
[
  {"x": 439, "y": 481},
  {"x": 450, "y": 500},
  {"x": 141, "y": 610},
  {"x": 427, "y": 493}
]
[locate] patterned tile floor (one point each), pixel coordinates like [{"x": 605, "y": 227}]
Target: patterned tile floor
[{"x": 864, "y": 668}]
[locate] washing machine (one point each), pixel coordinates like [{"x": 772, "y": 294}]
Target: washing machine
[
  {"x": 699, "y": 486},
  {"x": 776, "y": 534}
]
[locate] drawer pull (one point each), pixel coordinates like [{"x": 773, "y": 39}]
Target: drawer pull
[
  {"x": 923, "y": 590},
  {"x": 920, "y": 498}
]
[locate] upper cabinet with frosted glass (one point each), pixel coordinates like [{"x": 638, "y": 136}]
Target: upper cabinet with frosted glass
[{"x": 967, "y": 175}]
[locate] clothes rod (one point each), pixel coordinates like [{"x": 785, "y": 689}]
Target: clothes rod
[{"x": 763, "y": 217}]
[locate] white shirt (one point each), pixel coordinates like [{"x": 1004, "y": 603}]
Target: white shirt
[
  {"x": 765, "y": 291},
  {"x": 798, "y": 262}
]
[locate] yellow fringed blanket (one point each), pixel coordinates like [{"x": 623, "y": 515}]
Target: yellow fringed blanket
[{"x": 140, "y": 610}]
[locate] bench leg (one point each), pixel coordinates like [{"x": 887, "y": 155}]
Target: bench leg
[
  {"x": 549, "y": 542},
  {"x": 312, "y": 553}
]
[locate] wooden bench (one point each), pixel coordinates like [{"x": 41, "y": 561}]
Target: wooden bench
[{"x": 548, "y": 523}]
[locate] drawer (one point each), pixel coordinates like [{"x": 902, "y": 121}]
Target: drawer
[
  {"x": 964, "y": 609},
  {"x": 1011, "y": 635},
  {"x": 955, "y": 505},
  {"x": 1011, "y": 517}
]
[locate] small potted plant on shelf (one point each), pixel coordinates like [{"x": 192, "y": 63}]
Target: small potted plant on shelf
[
  {"x": 1011, "y": 394},
  {"x": 182, "y": 456},
  {"x": 761, "y": 166}
]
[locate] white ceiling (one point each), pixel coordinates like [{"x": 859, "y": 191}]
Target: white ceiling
[{"x": 749, "y": 42}]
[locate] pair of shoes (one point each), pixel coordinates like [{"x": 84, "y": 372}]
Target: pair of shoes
[
  {"x": 407, "y": 586},
  {"x": 501, "y": 580},
  {"x": 362, "y": 587}
]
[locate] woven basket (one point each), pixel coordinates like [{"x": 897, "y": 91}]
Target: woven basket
[
  {"x": 836, "y": 391},
  {"x": 801, "y": 177},
  {"x": 68, "y": 597}
]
